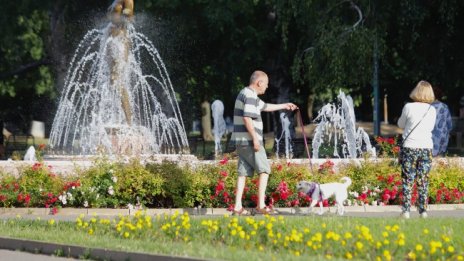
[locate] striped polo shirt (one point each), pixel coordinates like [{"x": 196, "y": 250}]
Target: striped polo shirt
[{"x": 247, "y": 104}]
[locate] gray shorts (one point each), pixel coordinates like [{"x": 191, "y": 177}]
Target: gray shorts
[{"x": 250, "y": 161}]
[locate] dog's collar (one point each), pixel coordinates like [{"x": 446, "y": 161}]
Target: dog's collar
[{"x": 313, "y": 188}]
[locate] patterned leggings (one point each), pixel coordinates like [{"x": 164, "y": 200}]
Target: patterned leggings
[{"x": 415, "y": 163}]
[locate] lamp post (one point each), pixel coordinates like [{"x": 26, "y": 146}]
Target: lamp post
[{"x": 375, "y": 78}]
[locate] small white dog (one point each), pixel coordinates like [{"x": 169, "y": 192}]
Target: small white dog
[{"x": 319, "y": 192}]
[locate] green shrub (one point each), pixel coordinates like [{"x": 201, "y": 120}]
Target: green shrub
[{"x": 182, "y": 187}]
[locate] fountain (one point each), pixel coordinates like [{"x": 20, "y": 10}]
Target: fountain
[
  {"x": 337, "y": 126},
  {"x": 118, "y": 98}
]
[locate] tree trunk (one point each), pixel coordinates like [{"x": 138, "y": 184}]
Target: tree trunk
[{"x": 57, "y": 43}]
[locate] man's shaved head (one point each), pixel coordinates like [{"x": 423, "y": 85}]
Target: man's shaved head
[{"x": 256, "y": 76}]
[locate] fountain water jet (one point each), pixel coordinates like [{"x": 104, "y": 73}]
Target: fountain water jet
[
  {"x": 118, "y": 97},
  {"x": 337, "y": 124}
]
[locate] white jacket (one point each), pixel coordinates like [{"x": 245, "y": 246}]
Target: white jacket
[{"x": 413, "y": 113}]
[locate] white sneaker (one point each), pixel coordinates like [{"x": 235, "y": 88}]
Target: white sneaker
[
  {"x": 424, "y": 215},
  {"x": 405, "y": 215}
]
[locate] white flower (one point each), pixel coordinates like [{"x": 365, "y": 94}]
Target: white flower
[
  {"x": 354, "y": 194},
  {"x": 98, "y": 195},
  {"x": 114, "y": 178},
  {"x": 69, "y": 195},
  {"x": 365, "y": 189},
  {"x": 86, "y": 204},
  {"x": 111, "y": 171},
  {"x": 73, "y": 187},
  {"x": 111, "y": 190},
  {"x": 348, "y": 202},
  {"x": 130, "y": 206},
  {"x": 64, "y": 201}
]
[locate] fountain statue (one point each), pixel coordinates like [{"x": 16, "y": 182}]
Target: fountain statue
[
  {"x": 219, "y": 129},
  {"x": 286, "y": 135},
  {"x": 118, "y": 97},
  {"x": 337, "y": 125}
]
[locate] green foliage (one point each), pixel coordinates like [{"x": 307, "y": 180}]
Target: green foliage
[
  {"x": 169, "y": 185},
  {"x": 40, "y": 184},
  {"x": 137, "y": 185},
  {"x": 183, "y": 187}
]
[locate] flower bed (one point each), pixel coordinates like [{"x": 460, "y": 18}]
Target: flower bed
[{"x": 166, "y": 185}]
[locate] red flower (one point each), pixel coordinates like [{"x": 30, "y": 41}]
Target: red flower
[
  {"x": 219, "y": 187},
  {"x": 279, "y": 167},
  {"x": 254, "y": 199},
  {"x": 391, "y": 141},
  {"x": 390, "y": 179},
  {"x": 27, "y": 199},
  {"x": 224, "y": 161},
  {"x": 41, "y": 146},
  {"x": 223, "y": 173}
]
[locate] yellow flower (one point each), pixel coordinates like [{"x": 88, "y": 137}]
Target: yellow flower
[
  {"x": 451, "y": 249},
  {"x": 90, "y": 231},
  {"x": 419, "y": 247},
  {"x": 359, "y": 245},
  {"x": 446, "y": 238},
  {"x": 426, "y": 231},
  {"x": 269, "y": 226},
  {"x": 126, "y": 234},
  {"x": 400, "y": 242},
  {"x": 51, "y": 221},
  {"x": 297, "y": 253},
  {"x": 385, "y": 234},
  {"x": 348, "y": 235},
  {"x": 93, "y": 220},
  {"x": 387, "y": 254},
  {"x": 242, "y": 234},
  {"x": 412, "y": 255},
  {"x": 348, "y": 255}
]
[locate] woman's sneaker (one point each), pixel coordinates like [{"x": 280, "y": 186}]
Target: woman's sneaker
[
  {"x": 405, "y": 215},
  {"x": 424, "y": 215}
]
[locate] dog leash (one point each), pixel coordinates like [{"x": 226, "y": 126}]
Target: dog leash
[{"x": 304, "y": 137}]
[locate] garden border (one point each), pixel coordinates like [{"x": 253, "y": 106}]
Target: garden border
[{"x": 39, "y": 247}]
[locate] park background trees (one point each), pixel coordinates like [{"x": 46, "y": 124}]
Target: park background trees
[{"x": 310, "y": 48}]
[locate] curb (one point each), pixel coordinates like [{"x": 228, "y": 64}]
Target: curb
[
  {"x": 204, "y": 211},
  {"x": 38, "y": 247}
]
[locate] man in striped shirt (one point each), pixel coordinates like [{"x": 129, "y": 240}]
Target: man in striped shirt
[{"x": 248, "y": 137}]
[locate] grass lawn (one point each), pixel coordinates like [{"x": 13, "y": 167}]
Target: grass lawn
[{"x": 255, "y": 238}]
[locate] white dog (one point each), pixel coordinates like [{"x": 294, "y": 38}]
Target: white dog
[{"x": 319, "y": 192}]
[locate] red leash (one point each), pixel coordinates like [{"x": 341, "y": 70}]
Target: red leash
[{"x": 304, "y": 137}]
